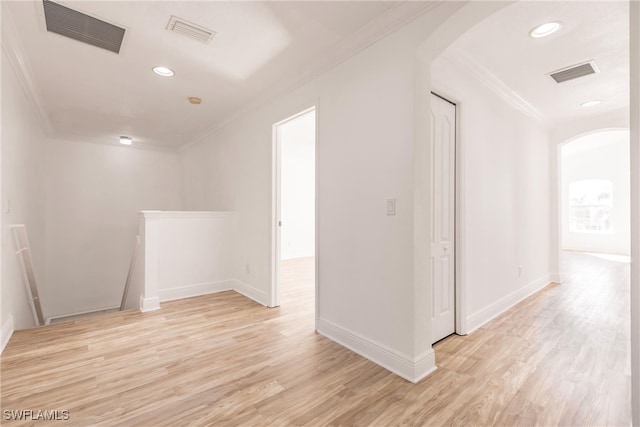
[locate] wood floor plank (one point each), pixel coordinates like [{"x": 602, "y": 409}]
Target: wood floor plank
[{"x": 560, "y": 357}]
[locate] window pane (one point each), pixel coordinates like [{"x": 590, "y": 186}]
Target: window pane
[{"x": 591, "y": 201}]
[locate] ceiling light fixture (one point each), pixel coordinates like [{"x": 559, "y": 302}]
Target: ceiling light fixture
[
  {"x": 195, "y": 100},
  {"x": 126, "y": 140},
  {"x": 591, "y": 103},
  {"x": 545, "y": 30},
  {"x": 163, "y": 71}
]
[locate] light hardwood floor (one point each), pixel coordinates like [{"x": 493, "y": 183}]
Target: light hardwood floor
[{"x": 558, "y": 358}]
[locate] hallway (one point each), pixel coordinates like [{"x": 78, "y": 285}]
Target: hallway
[{"x": 558, "y": 358}]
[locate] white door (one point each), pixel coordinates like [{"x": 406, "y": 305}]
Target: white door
[{"x": 443, "y": 128}]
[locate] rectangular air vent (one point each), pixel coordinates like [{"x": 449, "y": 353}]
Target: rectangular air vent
[
  {"x": 78, "y": 26},
  {"x": 196, "y": 32},
  {"x": 574, "y": 72}
]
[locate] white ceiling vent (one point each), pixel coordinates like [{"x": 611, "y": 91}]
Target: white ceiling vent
[
  {"x": 196, "y": 32},
  {"x": 78, "y": 26},
  {"x": 574, "y": 72}
]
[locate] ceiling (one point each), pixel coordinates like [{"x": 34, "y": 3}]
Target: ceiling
[
  {"x": 90, "y": 94},
  {"x": 263, "y": 48},
  {"x": 500, "y": 51}
]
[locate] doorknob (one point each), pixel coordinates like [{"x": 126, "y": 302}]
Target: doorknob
[{"x": 279, "y": 223}]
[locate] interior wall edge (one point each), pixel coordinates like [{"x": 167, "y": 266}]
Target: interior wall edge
[
  {"x": 634, "y": 46},
  {"x": 14, "y": 50},
  {"x": 6, "y": 332}
]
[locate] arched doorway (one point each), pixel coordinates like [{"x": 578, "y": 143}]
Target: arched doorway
[{"x": 464, "y": 19}]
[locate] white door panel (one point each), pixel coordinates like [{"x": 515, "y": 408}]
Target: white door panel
[{"x": 443, "y": 128}]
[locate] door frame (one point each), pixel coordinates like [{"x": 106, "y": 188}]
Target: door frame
[
  {"x": 460, "y": 314},
  {"x": 274, "y": 300}
]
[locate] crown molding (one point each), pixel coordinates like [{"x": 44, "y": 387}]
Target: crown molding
[
  {"x": 493, "y": 83},
  {"x": 14, "y": 50}
]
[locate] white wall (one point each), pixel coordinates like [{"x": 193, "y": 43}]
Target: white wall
[
  {"x": 602, "y": 155},
  {"x": 79, "y": 203},
  {"x": 185, "y": 254},
  {"x": 365, "y": 155},
  {"x": 93, "y": 192},
  {"x": 23, "y": 189},
  {"x": 504, "y": 156},
  {"x": 561, "y": 133},
  {"x": 298, "y": 204},
  {"x": 194, "y": 255}
]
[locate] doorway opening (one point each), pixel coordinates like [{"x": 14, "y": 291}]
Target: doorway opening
[
  {"x": 595, "y": 193},
  {"x": 294, "y": 228}
]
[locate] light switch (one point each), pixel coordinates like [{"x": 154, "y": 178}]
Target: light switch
[{"x": 391, "y": 206}]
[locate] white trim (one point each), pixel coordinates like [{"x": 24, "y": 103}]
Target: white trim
[
  {"x": 250, "y": 292},
  {"x": 6, "y": 332},
  {"x": 410, "y": 369},
  {"x": 496, "y": 85},
  {"x": 80, "y": 313},
  {"x": 495, "y": 309},
  {"x": 19, "y": 62},
  {"x": 184, "y": 214},
  {"x": 556, "y": 277},
  {"x": 274, "y": 298},
  {"x": 276, "y": 148},
  {"x": 460, "y": 218},
  {"x": 149, "y": 304},
  {"x": 634, "y": 282},
  {"x": 316, "y": 283},
  {"x": 200, "y": 289},
  {"x": 195, "y": 290},
  {"x": 424, "y": 365}
]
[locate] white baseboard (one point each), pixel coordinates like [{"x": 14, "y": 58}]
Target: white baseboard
[
  {"x": 6, "y": 332},
  {"x": 250, "y": 292},
  {"x": 425, "y": 365},
  {"x": 400, "y": 364},
  {"x": 196, "y": 290},
  {"x": 487, "y": 314},
  {"x": 149, "y": 304},
  {"x": 61, "y": 316},
  {"x": 556, "y": 277},
  {"x": 153, "y": 303}
]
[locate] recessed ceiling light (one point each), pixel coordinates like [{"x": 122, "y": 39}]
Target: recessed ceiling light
[
  {"x": 126, "y": 140},
  {"x": 545, "y": 30},
  {"x": 163, "y": 71},
  {"x": 591, "y": 103}
]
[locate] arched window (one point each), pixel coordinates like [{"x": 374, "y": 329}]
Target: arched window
[{"x": 590, "y": 202}]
